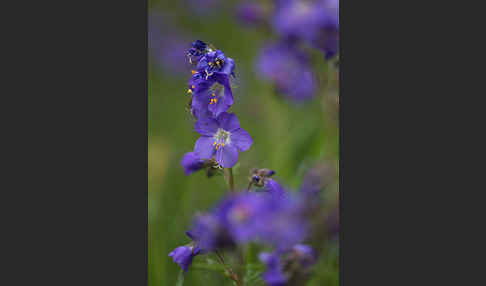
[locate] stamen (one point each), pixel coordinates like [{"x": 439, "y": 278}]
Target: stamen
[
  {"x": 189, "y": 91},
  {"x": 193, "y": 71},
  {"x": 208, "y": 74}
]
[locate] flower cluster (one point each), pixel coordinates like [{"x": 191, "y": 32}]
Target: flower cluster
[
  {"x": 265, "y": 214},
  {"x": 273, "y": 219},
  {"x": 221, "y": 138},
  {"x": 297, "y": 23}
]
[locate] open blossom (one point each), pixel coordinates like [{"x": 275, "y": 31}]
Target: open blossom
[
  {"x": 280, "y": 222},
  {"x": 297, "y": 19},
  {"x": 240, "y": 215},
  {"x": 289, "y": 70},
  {"x": 210, "y": 233},
  {"x": 263, "y": 217},
  {"x": 183, "y": 255},
  {"x": 222, "y": 138}
]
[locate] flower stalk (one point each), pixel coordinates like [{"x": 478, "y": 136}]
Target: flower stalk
[
  {"x": 232, "y": 275},
  {"x": 230, "y": 179}
]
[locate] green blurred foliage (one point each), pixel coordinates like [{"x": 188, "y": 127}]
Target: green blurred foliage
[{"x": 288, "y": 138}]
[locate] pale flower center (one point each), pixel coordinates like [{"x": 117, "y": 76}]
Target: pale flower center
[{"x": 221, "y": 138}]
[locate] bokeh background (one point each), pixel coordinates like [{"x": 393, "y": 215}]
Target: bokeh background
[{"x": 290, "y": 138}]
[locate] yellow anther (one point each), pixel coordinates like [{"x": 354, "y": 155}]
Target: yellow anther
[
  {"x": 189, "y": 91},
  {"x": 215, "y": 143},
  {"x": 193, "y": 71},
  {"x": 193, "y": 87},
  {"x": 215, "y": 100},
  {"x": 222, "y": 144},
  {"x": 214, "y": 94}
]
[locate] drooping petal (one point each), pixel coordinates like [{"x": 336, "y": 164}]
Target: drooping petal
[
  {"x": 199, "y": 104},
  {"x": 204, "y": 148},
  {"x": 241, "y": 139},
  {"x": 229, "y": 122},
  {"x": 229, "y": 66},
  {"x": 227, "y": 156},
  {"x": 206, "y": 126},
  {"x": 191, "y": 163}
]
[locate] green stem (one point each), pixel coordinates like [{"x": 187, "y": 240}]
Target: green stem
[
  {"x": 233, "y": 276},
  {"x": 230, "y": 179}
]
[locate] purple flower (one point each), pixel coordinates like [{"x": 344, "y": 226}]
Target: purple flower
[
  {"x": 166, "y": 44},
  {"x": 274, "y": 187},
  {"x": 297, "y": 19},
  {"x": 263, "y": 217},
  {"x": 329, "y": 27},
  {"x": 197, "y": 50},
  {"x": 191, "y": 163},
  {"x": 280, "y": 223},
  {"x": 289, "y": 69},
  {"x": 316, "y": 22},
  {"x": 305, "y": 255},
  {"x": 250, "y": 13},
  {"x": 274, "y": 275},
  {"x": 240, "y": 215},
  {"x": 210, "y": 84},
  {"x": 183, "y": 255},
  {"x": 221, "y": 137},
  {"x": 216, "y": 99},
  {"x": 209, "y": 233},
  {"x": 216, "y": 65}
]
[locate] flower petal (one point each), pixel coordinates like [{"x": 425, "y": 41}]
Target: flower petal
[
  {"x": 229, "y": 66},
  {"x": 222, "y": 104},
  {"x": 191, "y": 163},
  {"x": 228, "y": 121},
  {"x": 204, "y": 148},
  {"x": 227, "y": 156},
  {"x": 206, "y": 126},
  {"x": 241, "y": 139}
]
